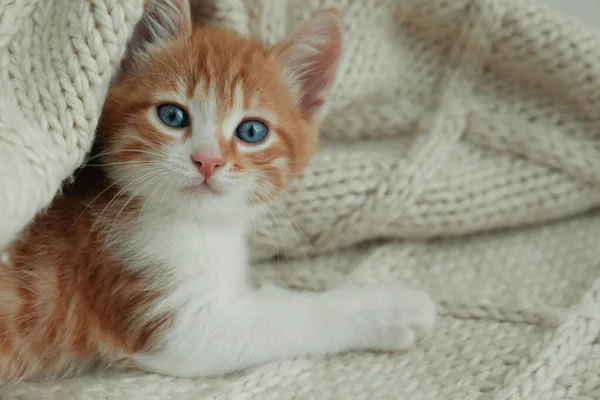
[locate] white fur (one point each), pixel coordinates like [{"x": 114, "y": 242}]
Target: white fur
[{"x": 223, "y": 324}]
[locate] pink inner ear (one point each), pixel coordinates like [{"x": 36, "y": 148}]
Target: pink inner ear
[
  {"x": 310, "y": 56},
  {"x": 317, "y": 78}
]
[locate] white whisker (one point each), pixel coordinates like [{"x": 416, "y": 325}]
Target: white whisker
[{"x": 288, "y": 218}]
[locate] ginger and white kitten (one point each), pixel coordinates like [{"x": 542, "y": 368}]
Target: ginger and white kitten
[{"x": 143, "y": 261}]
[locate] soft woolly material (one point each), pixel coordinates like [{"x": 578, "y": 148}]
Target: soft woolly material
[{"x": 450, "y": 117}]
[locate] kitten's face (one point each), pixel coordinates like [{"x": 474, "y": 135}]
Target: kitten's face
[{"x": 207, "y": 117}]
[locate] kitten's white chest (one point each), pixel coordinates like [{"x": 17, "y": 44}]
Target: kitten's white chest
[{"x": 202, "y": 260}]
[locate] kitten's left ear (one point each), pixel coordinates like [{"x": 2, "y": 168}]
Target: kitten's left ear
[
  {"x": 162, "y": 20},
  {"x": 310, "y": 58}
]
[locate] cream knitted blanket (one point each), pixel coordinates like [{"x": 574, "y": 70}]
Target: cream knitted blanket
[{"x": 450, "y": 117}]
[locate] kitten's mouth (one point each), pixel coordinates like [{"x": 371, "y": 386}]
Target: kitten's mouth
[{"x": 202, "y": 188}]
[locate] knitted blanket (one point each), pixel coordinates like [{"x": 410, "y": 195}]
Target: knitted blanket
[{"x": 451, "y": 121}]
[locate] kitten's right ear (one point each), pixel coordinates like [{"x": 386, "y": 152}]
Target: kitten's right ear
[
  {"x": 163, "y": 20},
  {"x": 310, "y": 58}
]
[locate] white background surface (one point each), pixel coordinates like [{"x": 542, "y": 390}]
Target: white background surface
[{"x": 586, "y": 10}]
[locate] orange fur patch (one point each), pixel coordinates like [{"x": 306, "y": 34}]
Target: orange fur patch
[{"x": 66, "y": 303}]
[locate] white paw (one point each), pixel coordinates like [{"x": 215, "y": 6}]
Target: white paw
[{"x": 394, "y": 317}]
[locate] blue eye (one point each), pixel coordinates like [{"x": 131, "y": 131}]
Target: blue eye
[
  {"x": 252, "y": 131},
  {"x": 173, "y": 116}
]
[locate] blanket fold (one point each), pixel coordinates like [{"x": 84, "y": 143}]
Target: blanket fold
[{"x": 56, "y": 62}]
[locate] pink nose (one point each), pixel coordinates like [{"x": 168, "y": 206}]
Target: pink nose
[{"x": 206, "y": 165}]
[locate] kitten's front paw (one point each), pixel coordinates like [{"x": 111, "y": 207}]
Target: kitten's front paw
[{"x": 396, "y": 316}]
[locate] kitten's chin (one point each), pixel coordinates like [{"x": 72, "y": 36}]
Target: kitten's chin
[{"x": 207, "y": 205}]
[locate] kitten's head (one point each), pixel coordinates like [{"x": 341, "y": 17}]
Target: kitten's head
[{"x": 203, "y": 116}]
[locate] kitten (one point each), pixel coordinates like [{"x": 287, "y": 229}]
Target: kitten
[{"x": 143, "y": 261}]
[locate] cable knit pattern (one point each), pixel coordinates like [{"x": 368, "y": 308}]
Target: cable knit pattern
[{"x": 451, "y": 118}]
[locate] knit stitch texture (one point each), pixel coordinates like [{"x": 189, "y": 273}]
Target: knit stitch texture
[{"x": 462, "y": 136}]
